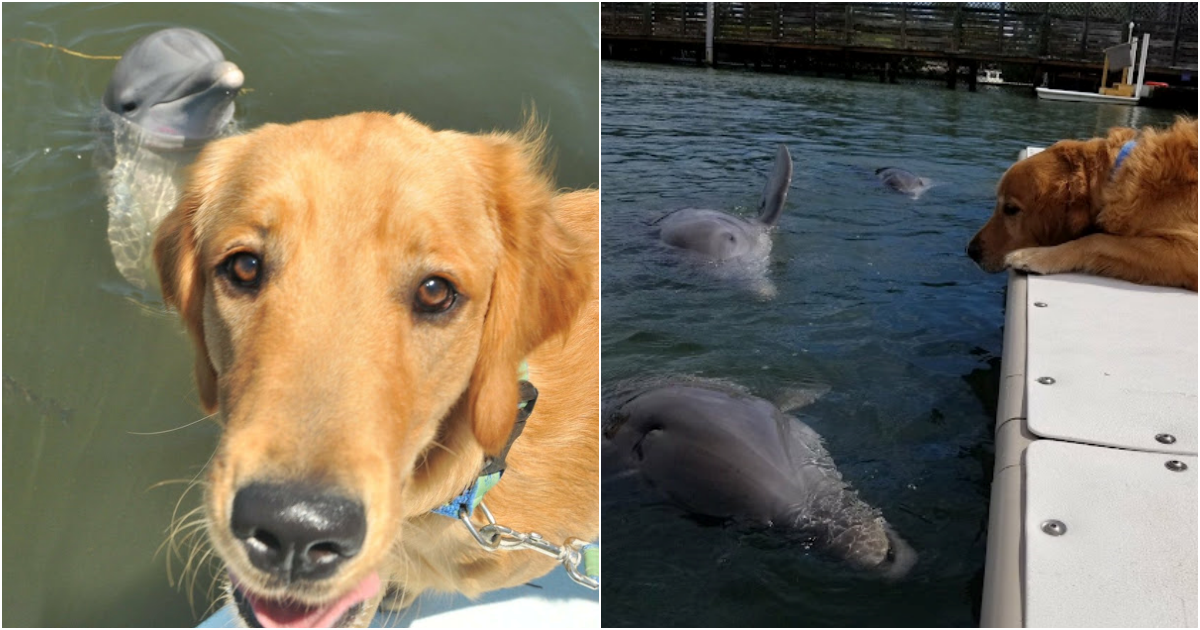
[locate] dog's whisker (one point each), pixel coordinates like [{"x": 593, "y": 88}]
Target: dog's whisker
[
  {"x": 214, "y": 602},
  {"x": 180, "y": 524},
  {"x": 178, "y": 537},
  {"x": 191, "y": 569},
  {"x": 169, "y": 482},
  {"x": 173, "y": 547},
  {"x": 201, "y": 556},
  {"x": 177, "y": 540},
  {"x": 192, "y": 516},
  {"x": 449, "y": 450},
  {"x": 194, "y": 531},
  {"x": 185, "y": 550},
  {"x": 186, "y": 545},
  {"x": 191, "y": 530},
  {"x": 180, "y": 428},
  {"x": 215, "y": 581},
  {"x": 192, "y": 548},
  {"x": 402, "y": 612}
]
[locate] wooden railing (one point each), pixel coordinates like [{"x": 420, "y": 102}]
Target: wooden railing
[{"x": 1049, "y": 31}]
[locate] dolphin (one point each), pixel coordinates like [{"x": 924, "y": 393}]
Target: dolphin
[
  {"x": 717, "y": 452},
  {"x": 176, "y": 86},
  {"x": 721, "y": 236},
  {"x": 171, "y": 92},
  {"x": 903, "y": 181}
]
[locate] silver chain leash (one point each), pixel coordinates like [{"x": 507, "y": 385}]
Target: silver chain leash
[{"x": 494, "y": 537}]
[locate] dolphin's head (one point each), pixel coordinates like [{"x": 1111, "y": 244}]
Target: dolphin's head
[
  {"x": 176, "y": 86},
  {"x": 874, "y": 546},
  {"x": 899, "y": 558},
  {"x": 856, "y": 533}
]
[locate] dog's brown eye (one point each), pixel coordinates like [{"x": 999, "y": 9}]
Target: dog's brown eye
[
  {"x": 1010, "y": 209},
  {"x": 244, "y": 270},
  {"x": 435, "y": 295}
]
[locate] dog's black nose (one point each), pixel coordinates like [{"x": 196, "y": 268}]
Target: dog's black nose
[
  {"x": 297, "y": 531},
  {"x": 974, "y": 250}
]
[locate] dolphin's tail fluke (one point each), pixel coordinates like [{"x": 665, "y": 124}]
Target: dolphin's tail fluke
[{"x": 774, "y": 195}]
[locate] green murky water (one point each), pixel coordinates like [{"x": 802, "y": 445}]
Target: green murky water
[{"x": 88, "y": 371}]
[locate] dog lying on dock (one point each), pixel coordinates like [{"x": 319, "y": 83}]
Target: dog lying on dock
[
  {"x": 370, "y": 301},
  {"x": 1123, "y": 206}
]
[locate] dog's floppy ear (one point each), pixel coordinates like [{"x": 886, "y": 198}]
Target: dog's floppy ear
[
  {"x": 182, "y": 279},
  {"x": 181, "y": 273},
  {"x": 1077, "y": 187},
  {"x": 542, "y": 281}
]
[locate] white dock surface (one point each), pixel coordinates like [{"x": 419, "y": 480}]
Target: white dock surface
[
  {"x": 1089, "y": 450},
  {"x": 1123, "y": 360},
  {"x": 1128, "y": 557}
]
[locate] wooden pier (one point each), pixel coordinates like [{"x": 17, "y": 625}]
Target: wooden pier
[{"x": 1058, "y": 41}]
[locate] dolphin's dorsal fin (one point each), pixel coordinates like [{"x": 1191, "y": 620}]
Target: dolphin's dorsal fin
[{"x": 775, "y": 193}]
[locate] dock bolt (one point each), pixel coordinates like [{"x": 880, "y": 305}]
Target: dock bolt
[
  {"x": 1054, "y": 528},
  {"x": 1040, "y": 304},
  {"x": 1045, "y": 380},
  {"x": 1175, "y": 465},
  {"x": 1165, "y": 438}
]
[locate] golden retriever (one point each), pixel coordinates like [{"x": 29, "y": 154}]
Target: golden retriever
[
  {"x": 361, "y": 292},
  {"x": 1072, "y": 208}
]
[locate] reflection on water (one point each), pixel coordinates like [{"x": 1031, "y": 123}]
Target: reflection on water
[
  {"x": 876, "y": 301},
  {"x": 95, "y": 382},
  {"x": 142, "y": 184}
]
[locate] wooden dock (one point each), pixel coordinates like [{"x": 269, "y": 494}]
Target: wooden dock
[{"x": 1035, "y": 39}]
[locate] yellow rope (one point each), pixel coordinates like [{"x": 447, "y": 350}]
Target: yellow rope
[
  {"x": 245, "y": 90},
  {"x": 66, "y": 50}
]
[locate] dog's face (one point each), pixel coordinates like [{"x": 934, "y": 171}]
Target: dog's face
[
  {"x": 1045, "y": 199},
  {"x": 360, "y": 292}
]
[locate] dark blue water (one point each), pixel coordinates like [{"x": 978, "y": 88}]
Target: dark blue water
[{"x": 876, "y": 301}]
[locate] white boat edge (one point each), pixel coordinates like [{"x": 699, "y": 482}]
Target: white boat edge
[
  {"x": 551, "y": 601},
  {"x": 1003, "y": 601},
  {"x": 1050, "y": 94},
  {"x": 1084, "y": 97}
]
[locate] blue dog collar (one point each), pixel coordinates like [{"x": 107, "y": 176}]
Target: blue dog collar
[
  {"x": 580, "y": 559},
  {"x": 1126, "y": 149},
  {"x": 493, "y": 467},
  {"x": 470, "y": 498}
]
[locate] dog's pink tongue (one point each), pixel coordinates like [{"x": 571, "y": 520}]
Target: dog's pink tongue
[{"x": 272, "y": 614}]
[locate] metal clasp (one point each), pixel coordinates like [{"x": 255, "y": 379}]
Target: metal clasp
[{"x": 493, "y": 537}]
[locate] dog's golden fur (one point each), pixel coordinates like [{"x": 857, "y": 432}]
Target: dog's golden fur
[
  {"x": 326, "y": 374},
  {"x": 1067, "y": 210}
]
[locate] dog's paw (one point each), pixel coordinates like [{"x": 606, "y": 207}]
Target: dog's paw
[{"x": 1030, "y": 260}]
